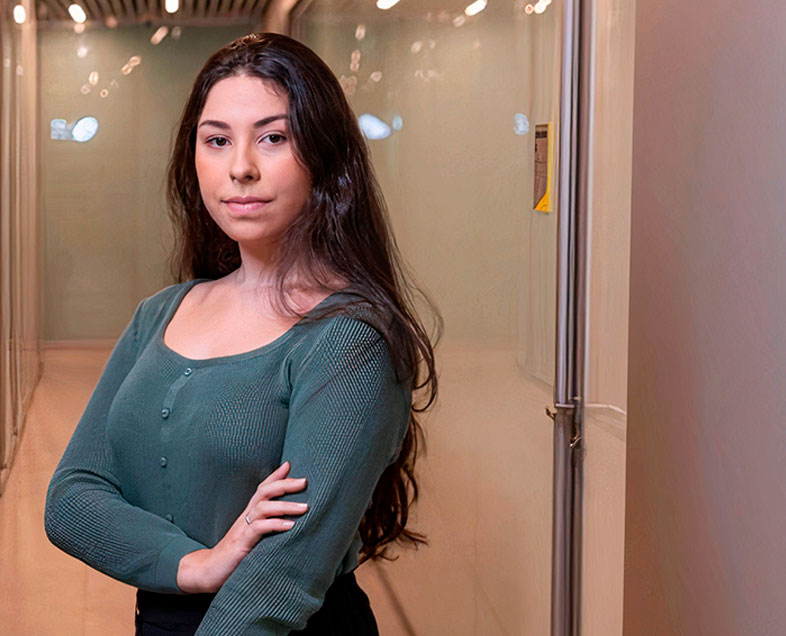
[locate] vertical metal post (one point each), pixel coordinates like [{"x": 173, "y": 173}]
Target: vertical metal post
[{"x": 575, "y": 141}]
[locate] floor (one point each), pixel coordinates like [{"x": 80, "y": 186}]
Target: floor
[{"x": 44, "y": 591}]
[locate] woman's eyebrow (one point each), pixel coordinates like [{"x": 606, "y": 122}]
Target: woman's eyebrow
[{"x": 258, "y": 124}]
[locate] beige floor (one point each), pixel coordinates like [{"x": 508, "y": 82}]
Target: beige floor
[{"x": 44, "y": 591}]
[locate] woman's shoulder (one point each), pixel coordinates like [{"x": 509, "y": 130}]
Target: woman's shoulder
[
  {"x": 155, "y": 308},
  {"x": 351, "y": 327}
]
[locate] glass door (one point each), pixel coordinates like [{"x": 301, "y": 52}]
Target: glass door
[{"x": 460, "y": 104}]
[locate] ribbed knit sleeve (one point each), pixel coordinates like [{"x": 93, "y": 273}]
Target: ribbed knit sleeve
[
  {"x": 347, "y": 417},
  {"x": 86, "y": 515}
]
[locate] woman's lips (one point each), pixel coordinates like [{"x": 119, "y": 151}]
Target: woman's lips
[{"x": 251, "y": 206}]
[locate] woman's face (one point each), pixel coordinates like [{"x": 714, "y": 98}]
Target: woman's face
[{"x": 244, "y": 149}]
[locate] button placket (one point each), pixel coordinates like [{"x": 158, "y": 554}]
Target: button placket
[{"x": 166, "y": 430}]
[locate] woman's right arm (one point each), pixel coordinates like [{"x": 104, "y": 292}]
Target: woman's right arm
[{"x": 86, "y": 514}]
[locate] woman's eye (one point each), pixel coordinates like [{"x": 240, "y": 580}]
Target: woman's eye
[{"x": 275, "y": 140}]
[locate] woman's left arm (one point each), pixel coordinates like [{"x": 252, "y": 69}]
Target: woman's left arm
[{"x": 347, "y": 417}]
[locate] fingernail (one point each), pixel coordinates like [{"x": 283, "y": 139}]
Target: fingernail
[{"x": 289, "y": 523}]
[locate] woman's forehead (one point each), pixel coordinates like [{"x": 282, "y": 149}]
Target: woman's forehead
[{"x": 244, "y": 98}]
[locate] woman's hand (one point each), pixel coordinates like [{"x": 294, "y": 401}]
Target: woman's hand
[{"x": 204, "y": 571}]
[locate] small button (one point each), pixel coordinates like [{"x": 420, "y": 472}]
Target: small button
[
  {"x": 170, "y": 518},
  {"x": 164, "y": 412},
  {"x": 187, "y": 371},
  {"x": 163, "y": 461}
]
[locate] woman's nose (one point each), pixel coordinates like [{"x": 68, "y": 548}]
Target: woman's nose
[{"x": 243, "y": 166}]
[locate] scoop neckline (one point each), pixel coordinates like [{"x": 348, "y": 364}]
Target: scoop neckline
[{"x": 244, "y": 355}]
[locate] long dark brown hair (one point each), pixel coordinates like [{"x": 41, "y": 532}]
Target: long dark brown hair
[{"x": 342, "y": 231}]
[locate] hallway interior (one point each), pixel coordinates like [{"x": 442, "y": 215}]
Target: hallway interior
[{"x": 46, "y": 591}]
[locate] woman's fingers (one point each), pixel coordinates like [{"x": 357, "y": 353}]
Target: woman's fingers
[
  {"x": 277, "y": 488},
  {"x": 264, "y": 511},
  {"x": 266, "y": 516},
  {"x": 266, "y": 526},
  {"x": 277, "y": 508},
  {"x": 278, "y": 473}
]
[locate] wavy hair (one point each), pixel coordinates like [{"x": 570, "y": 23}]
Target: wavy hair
[{"x": 342, "y": 231}]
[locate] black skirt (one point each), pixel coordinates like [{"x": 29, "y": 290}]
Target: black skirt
[{"x": 346, "y": 610}]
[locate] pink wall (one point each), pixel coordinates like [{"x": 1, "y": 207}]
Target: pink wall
[{"x": 705, "y": 547}]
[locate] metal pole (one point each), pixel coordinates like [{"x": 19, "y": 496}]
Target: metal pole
[{"x": 575, "y": 142}]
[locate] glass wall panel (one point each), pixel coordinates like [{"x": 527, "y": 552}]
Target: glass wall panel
[
  {"x": 19, "y": 229},
  {"x": 460, "y": 105}
]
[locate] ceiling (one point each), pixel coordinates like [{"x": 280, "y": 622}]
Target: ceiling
[{"x": 125, "y": 12}]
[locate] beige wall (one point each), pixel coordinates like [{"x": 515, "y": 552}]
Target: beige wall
[
  {"x": 459, "y": 183},
  {"x": 105, "y": 227}
]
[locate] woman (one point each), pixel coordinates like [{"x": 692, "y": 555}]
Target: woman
[{"x": 289, "y": 347}]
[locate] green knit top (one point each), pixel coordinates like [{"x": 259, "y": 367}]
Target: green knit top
[{"x": 170, "y": 450}]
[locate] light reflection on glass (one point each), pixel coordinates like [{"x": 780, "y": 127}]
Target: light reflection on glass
[
  {"x": 84, "y": 129},
  {"x": 77, "y": 13},
  {"x": 476, "y": 7},
  {"x": 520, "y": 124},
  {"x": 373, "y": 127},
  {"x": 58, "y": 129},
  {"x": 159, "y": 35}
]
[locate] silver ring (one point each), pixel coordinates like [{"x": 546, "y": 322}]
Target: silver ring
[{"x": 248, "y": 521}]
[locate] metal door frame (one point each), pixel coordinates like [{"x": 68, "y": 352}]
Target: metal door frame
[{"x": 575, "y": 142}]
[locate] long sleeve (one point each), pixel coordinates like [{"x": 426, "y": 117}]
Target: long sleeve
[
  {"x": 86, "y": 514},
  {"x": 347, "y": 417}
]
